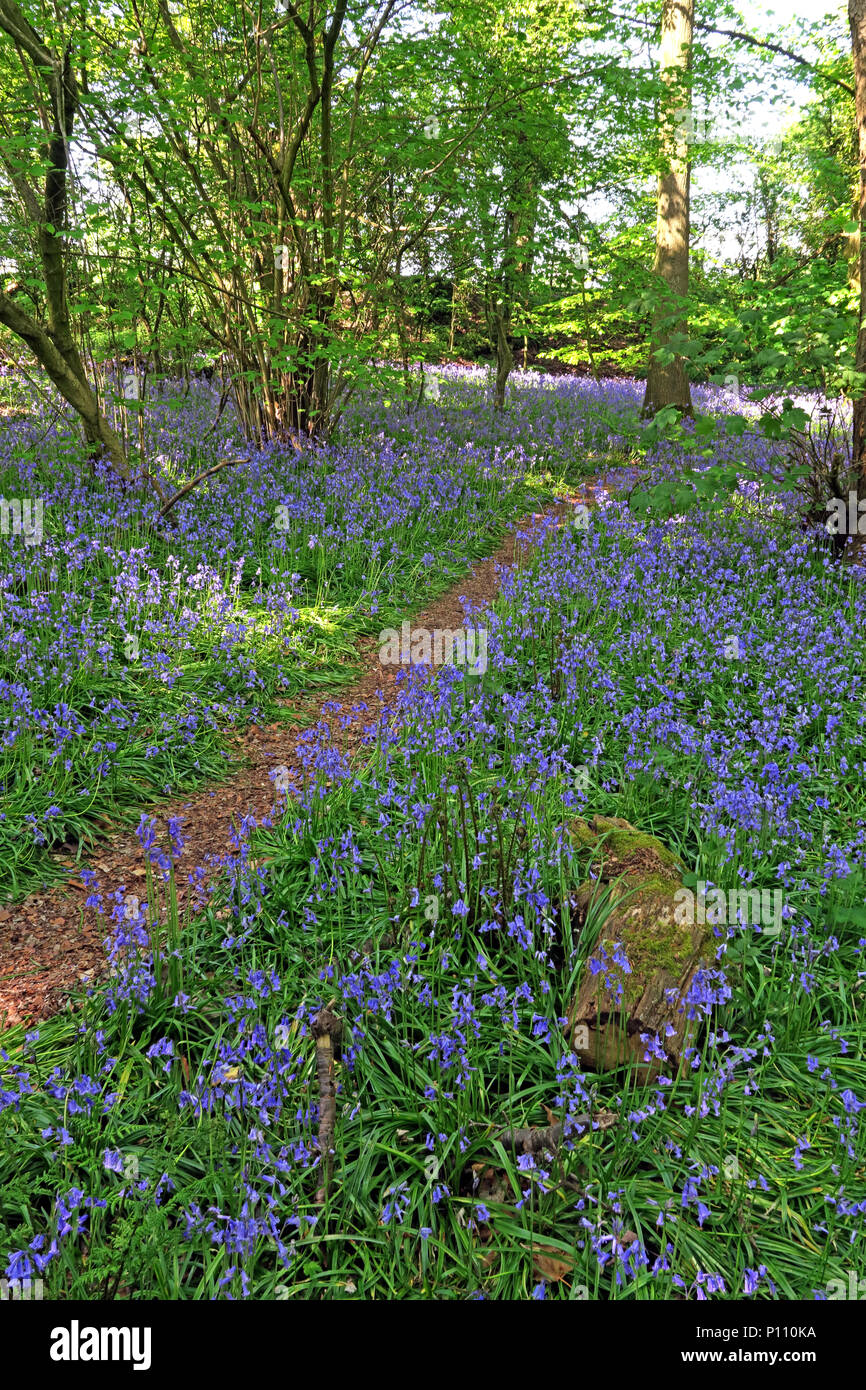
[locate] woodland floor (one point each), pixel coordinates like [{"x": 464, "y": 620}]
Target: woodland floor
[{"x": 53, "y": 943}]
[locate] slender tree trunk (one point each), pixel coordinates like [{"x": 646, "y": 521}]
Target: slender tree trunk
[
  {"x": 769, "y": 214},
  {"x": 857, "y": 19},
  {"x": 851, "y": 241},
  {"x": 504, "y": 359},
  {"x": 53, "y": 343},
  {"x": 667, "y": 383},
  {"x": 453, "y": 316},
  {"x": 513, "y": 280},
  {"x": 74, "y": 388}
]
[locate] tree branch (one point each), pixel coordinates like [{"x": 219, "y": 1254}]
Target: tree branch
[
  {"x": 741, "y": 37},
  {"x": 200, "y": 477},
  {"x": 550, "y": 1136}
]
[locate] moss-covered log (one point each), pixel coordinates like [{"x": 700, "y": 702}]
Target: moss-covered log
[{"x": 629, "y": 1006}]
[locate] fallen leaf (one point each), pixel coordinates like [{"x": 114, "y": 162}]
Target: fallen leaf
[
  {"x": 491, "y": 1185},
  {"x": 551, "y": 1263}
]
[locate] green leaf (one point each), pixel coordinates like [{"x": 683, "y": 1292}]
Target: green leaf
[{"x": 736, "y": 425}]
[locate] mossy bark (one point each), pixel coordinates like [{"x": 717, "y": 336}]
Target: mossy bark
[{"x": 617, "y": 1015}]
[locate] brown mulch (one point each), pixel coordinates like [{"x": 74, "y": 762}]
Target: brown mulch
[{"x": 51, "y": 943}]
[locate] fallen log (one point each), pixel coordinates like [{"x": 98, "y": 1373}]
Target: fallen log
[{"x": 629, "y": 1006}]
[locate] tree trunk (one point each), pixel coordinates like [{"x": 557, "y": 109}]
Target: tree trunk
[
  {"x": 857, "y": 19},
  {"x": 851, "y": 242},
  {"x": 770, "y": 214},
  {"x": 74, "y": 388},
  {"x": 53, "y": 344},
  {"x": 504, "y": 355},
  {"x": 453, "y": 316},
  {"x": 667, "y": 383}
]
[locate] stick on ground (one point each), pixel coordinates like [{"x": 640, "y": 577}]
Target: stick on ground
[
  {"x": 327, "y": 1029},
  {"x": 550, "y": 1136}
]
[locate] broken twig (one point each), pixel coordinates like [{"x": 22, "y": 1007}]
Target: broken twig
[{"x": 533, "y": 1140}]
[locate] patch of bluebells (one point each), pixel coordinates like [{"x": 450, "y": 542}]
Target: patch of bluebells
[
  {"x": 463, "y": 996},
  {"x": 172, "y": 644}
]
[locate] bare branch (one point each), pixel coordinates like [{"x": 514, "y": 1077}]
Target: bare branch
[{"x": 199, "y": 478}]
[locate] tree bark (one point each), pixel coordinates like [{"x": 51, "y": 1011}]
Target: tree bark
[
  {"x": 327, "y": 1030},
  {"x": 667, "y": 383},
  {"x": 504, "y": 355},
  {"x": 857, "y": 20},
  {"x": 534, "y": 1141},
  {"x": 74, "y": 388},
  {"x": 53, "y": 344}
]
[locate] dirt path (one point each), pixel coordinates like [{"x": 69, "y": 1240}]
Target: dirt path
[{"x": 51, "y": 943}]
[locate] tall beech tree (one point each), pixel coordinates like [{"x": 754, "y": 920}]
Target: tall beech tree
[
  {"x": 857, "y": 20},
  {"x": 667, "y": 383}
]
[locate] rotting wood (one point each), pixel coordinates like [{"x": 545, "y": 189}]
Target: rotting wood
[{"x": 637, "y": 1016}]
